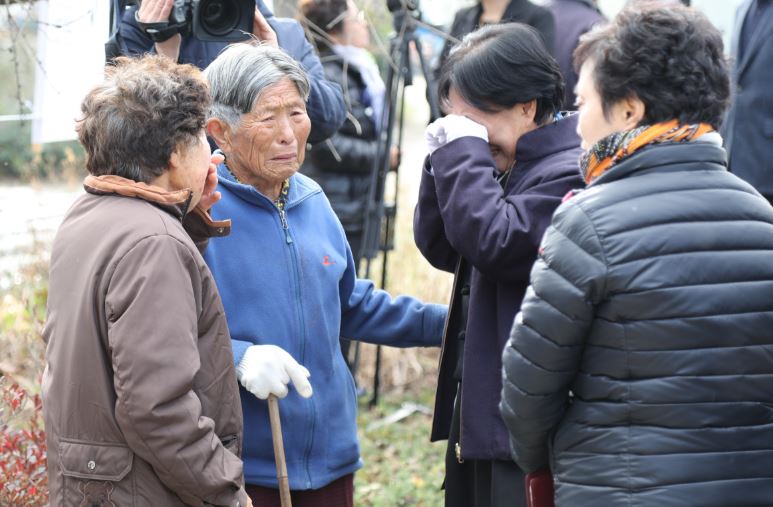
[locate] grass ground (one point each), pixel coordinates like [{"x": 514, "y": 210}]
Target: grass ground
[{"x": 402, "y": 468}]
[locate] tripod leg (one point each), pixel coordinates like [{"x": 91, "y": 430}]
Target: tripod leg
[
  {"x": 376, "y": 379},
  {"x": 389, "y": 223},
  {"x": 434, "y": 108}
]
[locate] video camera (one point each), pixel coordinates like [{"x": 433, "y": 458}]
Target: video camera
[{"x": 206, "y": 20}]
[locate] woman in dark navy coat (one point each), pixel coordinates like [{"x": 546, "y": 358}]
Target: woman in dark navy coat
[{"x": 499, "y": 164}]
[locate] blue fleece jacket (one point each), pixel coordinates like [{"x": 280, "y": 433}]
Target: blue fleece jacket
[{"x": 290, "y": 281}]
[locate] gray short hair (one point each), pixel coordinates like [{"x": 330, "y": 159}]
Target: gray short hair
[{"x": 239, "y": 75}]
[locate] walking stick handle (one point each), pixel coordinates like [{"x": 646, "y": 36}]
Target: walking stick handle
[{"x": 279, "y": 451}]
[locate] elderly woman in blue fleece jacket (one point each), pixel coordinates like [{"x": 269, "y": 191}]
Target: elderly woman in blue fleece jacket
[{"x": 287, "y": 280}]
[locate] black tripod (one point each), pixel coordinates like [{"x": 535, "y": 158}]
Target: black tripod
[{"x": 379, "y": 227}]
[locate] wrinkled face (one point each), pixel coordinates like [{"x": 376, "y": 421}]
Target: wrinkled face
[
  {"x": 504, "y": 127},
  {"x": 192, "y": 168},
  {"x": 593, "y": 125},
  {"x": 270, "y": 142}
]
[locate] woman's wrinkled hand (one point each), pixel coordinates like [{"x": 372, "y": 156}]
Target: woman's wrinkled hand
[
  {"x": 444, "y": 130},
  {"x": 210, "y": 195}
]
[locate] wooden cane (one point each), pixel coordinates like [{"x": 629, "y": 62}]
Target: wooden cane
[{"x": 279, "y": 451}]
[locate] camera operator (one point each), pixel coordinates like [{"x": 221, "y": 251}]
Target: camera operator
[{"x": 325, "y": 105}]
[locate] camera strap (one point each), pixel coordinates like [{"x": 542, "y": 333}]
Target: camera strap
[{"x": 161, "y": 31}]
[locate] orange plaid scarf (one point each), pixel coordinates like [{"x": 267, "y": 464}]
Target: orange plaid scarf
[{"x": 612, "y": 149}]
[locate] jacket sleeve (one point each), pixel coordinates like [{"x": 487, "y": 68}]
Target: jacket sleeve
[
  {"x": 354, "y": 147},
  {"x": 497, "y": 233},
  {"x": 428, "y": 228},
  {"x": 133, "y": 40},
  {"x": 357, "y": 155},
  {"x": 542, "y": 357},
  {"x": 200, "y": 227},
  {"x": 152, "y": 303},
  {"x": 371, "y": 315},
  {"x": 326, "y": 102}
]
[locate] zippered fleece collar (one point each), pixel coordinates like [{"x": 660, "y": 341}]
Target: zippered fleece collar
[{"x": 301, "y": 188}]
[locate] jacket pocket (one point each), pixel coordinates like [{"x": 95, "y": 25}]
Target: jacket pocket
[{"x": 95, "y": 474}]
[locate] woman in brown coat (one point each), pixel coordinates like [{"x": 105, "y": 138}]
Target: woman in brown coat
[{"x": 140, "y": 397}]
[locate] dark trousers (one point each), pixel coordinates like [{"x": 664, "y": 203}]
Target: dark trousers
[
  {"x": 480, "y": 483},
  {"x": 339, "y": 493}
]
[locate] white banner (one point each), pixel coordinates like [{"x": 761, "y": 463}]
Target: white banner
[{"x": 71, "y": 58}]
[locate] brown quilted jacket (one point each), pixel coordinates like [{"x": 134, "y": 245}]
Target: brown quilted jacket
[{"x": 140, "y": 397}]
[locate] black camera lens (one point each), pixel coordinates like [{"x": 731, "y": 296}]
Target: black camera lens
[{"x": 219, "y": 17}]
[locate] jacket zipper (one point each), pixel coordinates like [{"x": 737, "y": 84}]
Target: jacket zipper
[
  {"x": 299, "y": 309},
  {"x": 458, "y": 445},
  {"x": 283, "y": 219}
]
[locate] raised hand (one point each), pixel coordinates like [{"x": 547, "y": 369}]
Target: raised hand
[
  {"x": 210, "y": 196},
  {"x": 263, "y": 31},
  {"x": 154, "y": 11}
]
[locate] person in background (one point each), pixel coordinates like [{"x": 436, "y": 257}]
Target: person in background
[
  {"x": 325, "y": 105},
  {"x": 498, "y": 166},
  {"x": 748, "y": 126},
  {"x": 639, "y": 367},
  {"x": 343, "y": 164},
  {"x": 287, "y": 278},
  {"x": 489, "y": 12},
  {"x": 573, "y": 18},
  {"x": 140, "y": 398}
]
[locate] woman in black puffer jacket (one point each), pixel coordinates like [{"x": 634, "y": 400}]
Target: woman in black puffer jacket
[
  {"x": 640, "y": 369},
  {"x": 342, "y": 165}
]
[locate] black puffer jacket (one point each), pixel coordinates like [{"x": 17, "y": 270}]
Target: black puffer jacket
[
  {"x": 652, "y": 302},
  {"x": 342, "y": 164}
]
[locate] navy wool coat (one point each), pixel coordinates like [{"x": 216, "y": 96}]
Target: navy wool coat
[{"x": 464, "y": 215}]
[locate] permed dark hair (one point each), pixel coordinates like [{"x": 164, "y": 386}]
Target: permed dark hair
[
  {"x": 326, "y": 16},
  {"x": 669, "y": 56},
  {"x": 499, "y": 66},
  {"x": 132, "y": 122}
]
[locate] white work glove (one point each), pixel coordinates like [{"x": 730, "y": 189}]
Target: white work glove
[
  {"x": 446, "y": 129},
  {"x": 267, "y": 369}
]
